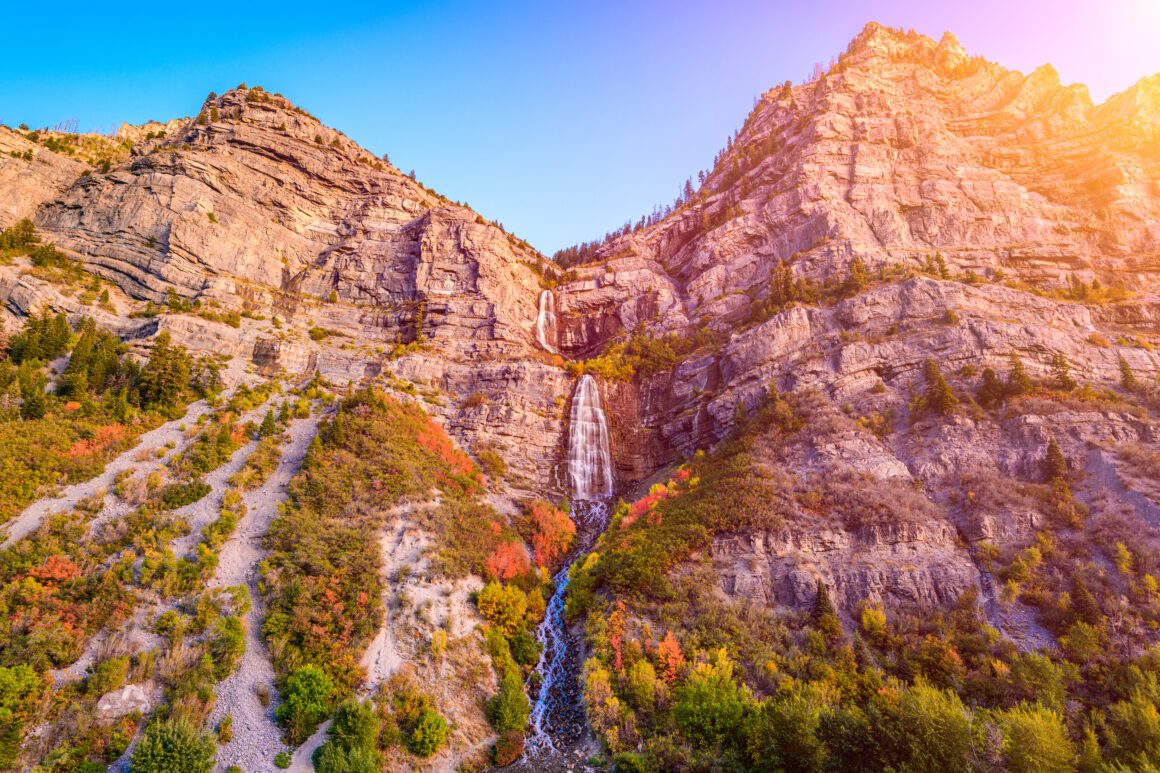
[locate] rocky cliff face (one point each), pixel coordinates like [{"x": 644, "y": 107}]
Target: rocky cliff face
[{"x": 907, "y": 151}]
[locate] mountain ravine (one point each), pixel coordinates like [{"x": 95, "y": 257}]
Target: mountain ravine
[{"x": 846, "y": 460}]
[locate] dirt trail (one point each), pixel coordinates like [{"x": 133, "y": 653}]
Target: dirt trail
[
  {"x": 148, "y": 446},
  {"x": 302, "y": 762},
  {"x": 382, "y": 656},
  {"x": 256, "y": 738}
]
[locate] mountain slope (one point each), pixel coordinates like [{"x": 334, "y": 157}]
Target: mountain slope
[{"x": 892, "y": 370}]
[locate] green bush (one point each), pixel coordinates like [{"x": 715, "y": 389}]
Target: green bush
[
  {"x": 525, "y": 649},
  {"x": 509, "y": 709},
  {"x": 171, "y": 746},
  {"x": 710, "y": 705},
  {"x": 309, "y": 699},
  {"x": 429, "y": 733},
  {"x": 176, "y": 495},
  {"x": 1035, "y": 740}
]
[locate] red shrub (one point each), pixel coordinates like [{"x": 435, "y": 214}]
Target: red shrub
[
  {"x": 553, "y": 532},
  {"x": 510, "y": 560}
]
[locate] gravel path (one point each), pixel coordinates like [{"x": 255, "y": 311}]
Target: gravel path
[
  {"x": 147, "y": 447},
  {"x": 256, "y": 738}
]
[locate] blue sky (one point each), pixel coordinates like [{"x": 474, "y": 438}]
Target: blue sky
[{"x": 562, "y": 120}]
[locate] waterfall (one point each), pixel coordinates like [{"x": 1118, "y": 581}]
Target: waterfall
[
  {"x": 558, "y": 716},
  {"x": 589, "y": 462},
  {"x": 546, "y": 321}
]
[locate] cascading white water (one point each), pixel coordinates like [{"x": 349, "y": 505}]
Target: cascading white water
[
  {"x": 557, "y": 718},
  {"x": 589, "y": 461},
  {"x": 546, "y": 321}
]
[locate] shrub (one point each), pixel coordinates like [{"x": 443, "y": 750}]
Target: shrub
[
  {"x": 710, "y": 705},
  {"x": 1034, "y": 740},
  {"x": 176, "y": 495},
  {"x": 309, "y": 696},
  {"x": 171, "y": 746},
  {"x": 282, "y": 760},
  {"x": 355, "y": 725},
  {"x": 429, "y": 733},
  {"x": 509, "y": 747},
  {"x": 332, "y": 758},
  {"x": 525, "y": 649},
  {"x": 504, "y": 606},
  {"x": 509, "y": 709}
]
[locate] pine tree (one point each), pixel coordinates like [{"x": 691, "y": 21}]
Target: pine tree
[
  {"x": 35, "y": 404},
  {"x": 1055, "y": 463},
  {"x": 1127, "y": 377},
  {"x": 859, "y": 276},
  {"x": 992, "y": 390},
  {"x": 941, "y": 264},
  {"x": 823, "y": 616},
  {"x": 1061, "y": 369},
  {"x": 1018, "y": 382},
  {"x": 781, "y": 287},
  {"x": 268, "y": 426},
  {"x": 939, "y": 396},
  {"x": 1083, "y": 604}
]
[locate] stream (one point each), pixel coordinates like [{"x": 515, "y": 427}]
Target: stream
[{"x": 559, "y": 731}]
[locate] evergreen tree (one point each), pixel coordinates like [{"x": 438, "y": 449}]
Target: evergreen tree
[
  {"x": 165, "y": 375},
  {"x": 1127, "y": 377},
  {"x": 1018, "y": 382},
  {"x": 1084, "y": 606},
  {"x": 941, "y": 264},
  {"x": 35, "y": 404},
  {"x": 1061, "y": 369},
  {"x": 1055, "y": 464},
  {"x": 858, "y": 278},
  {"x": 992, "y": 390},
  {"x": 823, "y": 616},
  {"x": 781, "y": 287},
  {"x": 268, "y": 426},
  {"x": 939, "y": 396}
]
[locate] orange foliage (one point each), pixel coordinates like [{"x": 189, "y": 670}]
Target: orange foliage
[
  {"x": 72, "y": 405},
  {"x": 616, "y": 634},
  {"x": 658, "y": 492},
  {"x": 670, "y": 658},
  {"x": 510, "y": 560},
  {"x": 553, "y": 532},
  {"x": 433, "y": 439},
  {"x": 56, "y": 568},
  {"x": 104, "y": 438}
]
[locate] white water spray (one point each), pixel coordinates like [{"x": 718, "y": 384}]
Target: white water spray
[
  {"x": 546, "y": 321},
  {"x": 557, "y": 719},
  {"x": 589, "y": 461}
]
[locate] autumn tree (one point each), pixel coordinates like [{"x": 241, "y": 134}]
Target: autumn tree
[
  {"x": 552, "y": 533},
  {"x": 670, "y": 658}
]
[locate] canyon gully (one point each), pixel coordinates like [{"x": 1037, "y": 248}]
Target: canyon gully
[{"x": 558, "y": 727}]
